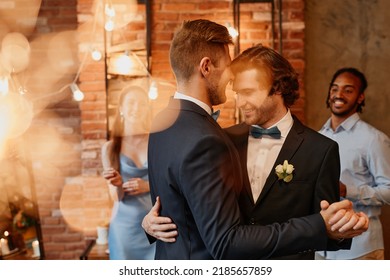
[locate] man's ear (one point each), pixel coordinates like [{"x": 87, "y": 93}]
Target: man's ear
[
  {"x": 205, "y": 66},
  {"x": 361, "y": 98}
]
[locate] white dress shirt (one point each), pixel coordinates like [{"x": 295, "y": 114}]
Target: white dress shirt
[
  {"x": 365, "y": 170},
  {"x": 262, "y": 154},
  {"x": 203, "y": 105}
]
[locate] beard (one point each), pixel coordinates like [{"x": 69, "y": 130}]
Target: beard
[
  {"x": 346, "y": 110},
  {"x": 261, "y": 115},
  {"x": 216, "y": 97}
]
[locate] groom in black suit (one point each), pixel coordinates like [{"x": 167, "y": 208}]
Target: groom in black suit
[
  {"x": 195, "y": 171},
  {"x": 267, "y": 86}
]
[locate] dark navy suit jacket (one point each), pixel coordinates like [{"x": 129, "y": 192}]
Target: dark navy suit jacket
[
  {"x": 316, "y": 177},
  {"x": 195, "y": 169}
]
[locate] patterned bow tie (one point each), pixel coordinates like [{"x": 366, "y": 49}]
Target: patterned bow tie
[
  {"x": 215, "y": 115},
  {"x": 258, "y": 132}
]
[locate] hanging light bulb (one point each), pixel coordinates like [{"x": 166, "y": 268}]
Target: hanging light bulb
[
  {"x": 232, "y": 31},
  {"x": 153, "y": 91},
  {"x": 96, "y": 55},
  {"x": 109, "y": 26},
  {"x": 22, "y": 90},
  {"x": 78, "y": 95},
  {"x": 109, "y": 10},
  {"x": 110, "y": 13},
  {"x": 4, "y": 88}
]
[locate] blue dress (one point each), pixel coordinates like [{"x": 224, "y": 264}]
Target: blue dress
[{"x": 126, "y": 237}]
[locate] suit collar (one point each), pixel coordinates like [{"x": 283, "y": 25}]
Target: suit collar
[
  {"x": 186, "y": 105},
  {"x": 348, "y": 124},
  {"x": 201, "y": 104},
  {"x": 239, "y": 134}
]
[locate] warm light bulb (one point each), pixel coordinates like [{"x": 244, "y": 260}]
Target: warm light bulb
[
  {"x": 96, "y": 55},
  {"x": 4, "y": 86},
  {"x": 232, "y": 31},
  {"x": 124, "y": 64},
  {"x": 153, "y": 91},
  {"x": 22, "y": 91},
  {"x": 109, "y": 26},
  {"x": 5, "y": 120},
  {"x": 78, "y": 95},
  {"x": 109, "y": 11}
]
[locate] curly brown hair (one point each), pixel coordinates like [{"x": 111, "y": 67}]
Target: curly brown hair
[{"x": 284, "y": 77}]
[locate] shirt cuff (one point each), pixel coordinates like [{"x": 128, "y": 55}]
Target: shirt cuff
[{"x": 352, "y": 193}]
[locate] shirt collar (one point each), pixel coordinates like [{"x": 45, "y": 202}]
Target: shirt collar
[
  {"x": 345, "y": 125},
  {"x": 284, "y": 124},
  {"x": 203, "y": 105}
]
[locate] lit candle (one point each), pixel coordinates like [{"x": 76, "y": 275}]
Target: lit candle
[
  {"x": 7, "y": 236},
  {"x": 4, "y": 246},
  {"x": 35, "y": 246}
]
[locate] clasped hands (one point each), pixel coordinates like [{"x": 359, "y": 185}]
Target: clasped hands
[
  {"x": 133, "y": 186},
  {"x": 340, "y": 220}
]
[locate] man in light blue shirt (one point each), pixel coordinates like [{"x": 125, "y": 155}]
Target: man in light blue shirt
[{"x": 365, "y": 161}]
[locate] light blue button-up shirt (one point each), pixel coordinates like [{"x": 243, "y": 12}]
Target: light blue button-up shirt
[{"x": 365, "y": 170}]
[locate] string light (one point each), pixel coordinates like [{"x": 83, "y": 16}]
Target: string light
[
  {"x": 125, "y": 63},
  {"x": 96, "y": 55},
  {"x": 109, "y": 26},
  {"x": 4, "y": 88},
  {"x": 153, "y": 91},
  {"x": 232, "y": 31},
  {"x": 109, "y": 10},
  {"x": 78, "y": 95}
]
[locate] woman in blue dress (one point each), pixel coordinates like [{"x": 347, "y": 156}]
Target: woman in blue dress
[{"x": 124, "y": 159}]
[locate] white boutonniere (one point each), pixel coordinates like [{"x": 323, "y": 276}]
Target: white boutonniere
[{"x": 285, "y": 171}]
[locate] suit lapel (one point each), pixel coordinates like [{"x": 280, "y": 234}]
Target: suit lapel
[
  {"x": 243, "y": 154},
  {"x": 239, "y": 135},
  {"x": 289, "y": 148}
]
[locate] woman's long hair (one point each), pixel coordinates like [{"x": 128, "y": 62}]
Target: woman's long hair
[{"x": 118, "y": 128}]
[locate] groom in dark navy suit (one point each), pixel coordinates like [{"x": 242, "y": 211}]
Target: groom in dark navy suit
[
  {"x": 267, "y": 86},
  {"x": 195, "y": 171}
]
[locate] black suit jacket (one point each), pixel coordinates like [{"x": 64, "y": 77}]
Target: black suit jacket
[
  {"x": 194, "y": 168},
  {"x": 316, "y": 177}
]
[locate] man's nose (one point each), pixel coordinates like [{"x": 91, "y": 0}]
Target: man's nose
[
  {"x": 240, "y": 101},
  {"x": 338, "y": 93}
]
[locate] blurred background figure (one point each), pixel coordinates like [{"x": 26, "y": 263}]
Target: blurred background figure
[
  {"x": 365, "y": 161},
  {"x": 124, "y": 159}
]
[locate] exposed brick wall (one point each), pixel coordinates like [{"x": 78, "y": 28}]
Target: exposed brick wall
[
  {"x": 255, "y": 28},
  {"x": 55, "y": 135},
  {"x": 293, "y": 46},
  {"x": 72, "y": 196}
]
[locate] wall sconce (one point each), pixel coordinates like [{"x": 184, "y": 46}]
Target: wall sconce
[{"x": 127, "y": 64}]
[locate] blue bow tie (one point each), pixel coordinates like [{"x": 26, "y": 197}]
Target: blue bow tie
[
  {"x": 258, "y": 132},
  {"x": 215, "y": 114}
]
